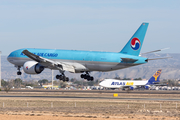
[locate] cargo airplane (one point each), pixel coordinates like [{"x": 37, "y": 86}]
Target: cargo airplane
[
  {"x": 131, "y": 84},
  {"x": 34, "y": 61}
]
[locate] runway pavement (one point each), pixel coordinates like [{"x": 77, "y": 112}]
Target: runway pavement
[
  {"x": 80, "y": 97},
  {"x": 88, "y": 94},
  {"x": 99, "y": 91}
]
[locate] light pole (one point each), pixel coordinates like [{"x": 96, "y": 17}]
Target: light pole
[
  {"x": 0, "y": 69},
  {"x": 52, "y": 78}
]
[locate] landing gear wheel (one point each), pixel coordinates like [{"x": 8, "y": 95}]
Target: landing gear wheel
[
  {"x": 19, "y": 73},
  {"x": 57, "y": 76},
  {"x": 88, "y": 79},
  {"x": 91, "y": 78},
  {"x": 60, "y": 77},
  {"x": 87, "y": 76},
  {"x": 67, "y": 79},
  {"x": 83, "y": 75},
  {"x": 64, "y": 78}
]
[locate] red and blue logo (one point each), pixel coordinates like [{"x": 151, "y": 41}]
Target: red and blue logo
[
  {"x": 135, "y": 43},
  {"x": 26, "y": 67}
]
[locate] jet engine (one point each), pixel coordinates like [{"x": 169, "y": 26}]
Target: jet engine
[
  {"x": 32, "y": 67},
  {"x": 146, "y": 87},
  {"x": 132, "y": 87}
]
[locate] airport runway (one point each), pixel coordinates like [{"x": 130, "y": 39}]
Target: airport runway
[
  {"x": 80, "y": 97},
  {"x": 98, "y": 91},
  {"x": 147, "y": 95}
]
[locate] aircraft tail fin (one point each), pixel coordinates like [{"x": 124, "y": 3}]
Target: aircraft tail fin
[
  {"x": 133, "y": 46},
  {"x": 155, "y": 78}
]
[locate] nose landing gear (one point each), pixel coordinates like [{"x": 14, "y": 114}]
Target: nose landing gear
[{"x": 19, "y": 72}]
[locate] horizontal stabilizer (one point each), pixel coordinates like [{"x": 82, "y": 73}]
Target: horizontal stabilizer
[
  {"x": 153, "y": 51},
  {"x": 159, "y": 58},
  {"x": 160, "y": 84}
]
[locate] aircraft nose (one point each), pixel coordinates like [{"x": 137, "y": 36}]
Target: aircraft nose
[
  {"x": 10, "y": 57},
  {"x": 101, "y": 83}
]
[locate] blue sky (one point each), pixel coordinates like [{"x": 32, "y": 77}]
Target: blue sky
[{"x": 95, "y": 25}]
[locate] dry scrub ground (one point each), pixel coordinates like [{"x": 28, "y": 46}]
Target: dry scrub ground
[{"x": 21, "y": 108}]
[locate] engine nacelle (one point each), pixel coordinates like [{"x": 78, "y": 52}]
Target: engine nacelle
[
  {"x": 132, "y": 87},
  {"x": 32, "y": 67},
  {"x": 146, "y": 87}
]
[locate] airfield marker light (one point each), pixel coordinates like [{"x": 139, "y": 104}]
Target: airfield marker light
[{"x": 115, "y": 95}]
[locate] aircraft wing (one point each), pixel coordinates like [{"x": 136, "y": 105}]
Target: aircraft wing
[{"x": 49, "y": 63}]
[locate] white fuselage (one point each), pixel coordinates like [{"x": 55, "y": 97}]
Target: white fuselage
[{"x": 113, "y": 83}]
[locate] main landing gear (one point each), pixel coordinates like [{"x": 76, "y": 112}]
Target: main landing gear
[
  {"x": 87, "y": 76},
  {"x": 19, "y": 72},
  {"x": 62, "y": 77}
]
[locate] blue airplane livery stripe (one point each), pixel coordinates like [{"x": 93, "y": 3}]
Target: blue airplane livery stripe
[{"x": 118, "y": 83}]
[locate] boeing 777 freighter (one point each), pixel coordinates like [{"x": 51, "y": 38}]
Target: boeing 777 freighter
[{"x": 34, "y": 61}]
